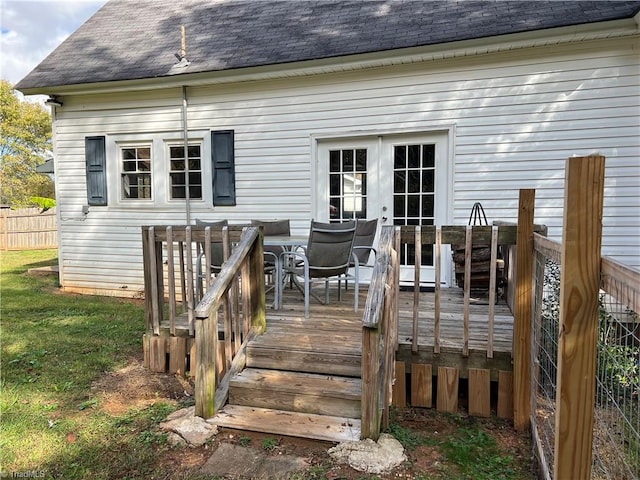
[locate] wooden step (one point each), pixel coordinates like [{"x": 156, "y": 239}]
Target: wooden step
[
  {"x": 285, "y": 358},
  {"x": 296, "y": 392},
  {"x": 278, "y": 422}
]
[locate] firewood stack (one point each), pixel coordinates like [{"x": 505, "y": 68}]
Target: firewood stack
[{"x": 480, "y": 258}]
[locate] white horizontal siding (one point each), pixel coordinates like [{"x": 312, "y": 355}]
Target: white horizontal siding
[{"x": 517, "y": 116}]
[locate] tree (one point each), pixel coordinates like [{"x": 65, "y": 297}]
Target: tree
[{"x": 25, "y": 137}]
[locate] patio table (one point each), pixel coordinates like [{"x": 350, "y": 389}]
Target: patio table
[{"x": 288, "y": 243}]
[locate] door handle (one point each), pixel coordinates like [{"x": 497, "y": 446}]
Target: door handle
[{"x": 384, "y": 219}]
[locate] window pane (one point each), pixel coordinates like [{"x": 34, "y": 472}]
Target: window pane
[
  {"x": 129, "y": 166},
  {"x": 428, "y": 156},
  {"x": 194, "y": 178},
  {"x": 144, "y": 153},
  {"x": 128, "y": 153},
  {"x": 177, "y": 178},
  {"x": 399, "y": 182},
  {"x": 194, "y": 164},
  {"x": 334, "y": 208},
  {"x": 334, "y": 184},
  {"x": 414, "y": 156},
  {"x": 413, "y": 206},
  {"x": 144, "y": 166},
  {"x": 400, "y": 157},
  {"x": 178, "y": 192},
  {"x": 176, "y": 152},
  {"x": 427, "y": 207},
  {"x": 361, "y": 160},
  {"x": 334, "y": 161},
  {"x": 414, "y": 181},
  {"x": 398, "y": 206},
  {"x": 362, "y": 177},
  {"x": 195, "y": 192},
  {"x": 177, "y": 165},
  {"x": 428, "y": 181},
  {"x": 194, "y": 151},
  {"x": 347, "y": 160}
]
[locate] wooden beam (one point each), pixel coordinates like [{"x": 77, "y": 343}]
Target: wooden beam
[
  {"x": 577, "y": 346},
  {"x": 523, "y": 311}
]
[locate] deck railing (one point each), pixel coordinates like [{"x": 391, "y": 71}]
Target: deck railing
[
  {"x": 380, "y": 338},
  {"x": 416, "y": 239},
  {"x": 179, "y": 258},
  {"x": 246, "y": 266},
  {"x": 171, "y": 256}
]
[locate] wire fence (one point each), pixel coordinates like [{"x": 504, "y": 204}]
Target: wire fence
[
  {"x": 616, "y": 435},
  {"x": 616, "y": 439}
]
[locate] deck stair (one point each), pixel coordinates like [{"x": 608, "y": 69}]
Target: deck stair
[{"x": 302, "y": 378}]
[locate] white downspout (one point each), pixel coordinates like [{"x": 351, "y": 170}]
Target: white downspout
[{"x": 185, "y": 134}]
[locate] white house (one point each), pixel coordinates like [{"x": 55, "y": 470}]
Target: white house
[{"x": 408, "y": 111}]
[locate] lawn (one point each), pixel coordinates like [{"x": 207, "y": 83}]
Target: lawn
[
  {"x": 76, "y": 403},
  {"x": 54, "y": 346}
]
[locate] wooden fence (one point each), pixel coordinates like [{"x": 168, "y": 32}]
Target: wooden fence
[{"x": 28, "y": 229}]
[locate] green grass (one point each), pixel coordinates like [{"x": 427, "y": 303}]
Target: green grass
[
  {"x": 53, "y": 347},
  {"x": 468, "y": 450}
]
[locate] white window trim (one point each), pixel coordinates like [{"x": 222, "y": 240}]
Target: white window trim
[
  {"x": 160, "y": 166},
  {"x": 205, "y": 170}
]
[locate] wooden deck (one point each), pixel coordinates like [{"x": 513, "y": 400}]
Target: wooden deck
[{"x": 339, "y": 327}]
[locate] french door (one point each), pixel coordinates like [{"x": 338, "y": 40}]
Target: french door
[{"x": 399, "y": 179}]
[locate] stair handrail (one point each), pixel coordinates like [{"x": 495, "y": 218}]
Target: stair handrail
[
  {"x": 379, "y": 338},
  {"x": 245, "y": 261}
]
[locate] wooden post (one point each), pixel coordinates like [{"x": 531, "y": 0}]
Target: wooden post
[
  {"x": 258, "y": 299},
  {"x": 437, "y": 296},
  {"x": 523, "y": 309},
  {"x": 468, "y": 247},
  {"x": 416, "y": 287},
  {"x": 370, "y": 393},
  {"x": 577, "y": 346},
  {"x": 206, "y": 353}
]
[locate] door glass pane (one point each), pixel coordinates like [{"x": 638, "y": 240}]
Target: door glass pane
[
  {"x": 414, "y": 192},
  {"x": 347, "y": 184}
]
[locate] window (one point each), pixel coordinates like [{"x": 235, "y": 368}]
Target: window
[
  {"x": 177, "y": 174},
  {"x": 136, "y": 172},
  {"x": 348, "y": 184}
]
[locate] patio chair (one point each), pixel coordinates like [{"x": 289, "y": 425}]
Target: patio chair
[
  {"x": 362, "y": 249},
  {"x": 217, "y": 255},
  {"x": 326, "y": 257},
  {"x": 272, "y": 252}
]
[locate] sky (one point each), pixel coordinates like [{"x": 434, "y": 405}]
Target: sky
[{"x": 32, "y": 29}]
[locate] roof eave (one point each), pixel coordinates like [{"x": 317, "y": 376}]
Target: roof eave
[{"x": 465, "y": 48}]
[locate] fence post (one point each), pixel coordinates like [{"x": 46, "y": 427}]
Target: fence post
[
  {"x": 578, "y": 335},
  {"x": 523, "y": 311}
]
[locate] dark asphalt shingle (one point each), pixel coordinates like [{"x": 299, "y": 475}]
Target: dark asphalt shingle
[{"x": 128, "y": 40}]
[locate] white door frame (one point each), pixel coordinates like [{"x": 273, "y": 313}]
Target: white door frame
[{"x": 377, "y": 143}]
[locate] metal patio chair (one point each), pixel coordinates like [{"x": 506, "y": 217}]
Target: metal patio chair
[
  {"x": 362, "y": 250},
  {"x": 327, "y": 256}
]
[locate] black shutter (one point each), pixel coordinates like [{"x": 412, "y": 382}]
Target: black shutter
[
  {"x": 96, "y": 159},
  {"x": 224, "y": 175}
]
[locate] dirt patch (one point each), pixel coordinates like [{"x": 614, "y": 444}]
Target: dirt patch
[{"x": 136, "y": 387}]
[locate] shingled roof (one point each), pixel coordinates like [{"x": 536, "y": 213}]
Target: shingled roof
[{"x": 128, "y": 40}]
